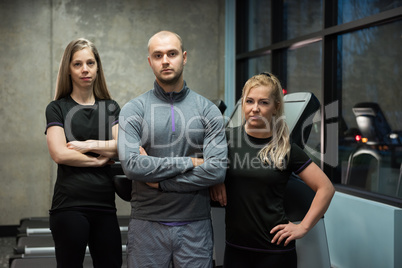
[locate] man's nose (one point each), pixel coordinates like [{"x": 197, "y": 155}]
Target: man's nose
[{"x": 165, "y": 59}]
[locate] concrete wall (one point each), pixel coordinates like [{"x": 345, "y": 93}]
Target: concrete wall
[{"x": 33, "y": 36}]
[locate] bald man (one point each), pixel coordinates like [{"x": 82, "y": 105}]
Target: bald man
[{"x": 172, "y": 146}]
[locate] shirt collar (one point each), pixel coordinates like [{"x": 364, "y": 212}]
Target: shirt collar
[{"x": 170, "y": 96}]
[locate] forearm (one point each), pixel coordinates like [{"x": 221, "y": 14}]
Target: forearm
[
  {"x": 318, "y": 207},
  {"x": 316, "y": 179},
  {"x": 313, "y": 176},
  {"x": 61, "y": 154},
  {"x": 76, "y": 159},
  {"x": 106, "y": 148},
  {"x": 142, "y": 167},
  {"x": 210, "y": 173},
  {"x": 154, "y": 169}
]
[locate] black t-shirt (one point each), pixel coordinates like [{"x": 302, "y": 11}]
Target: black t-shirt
[
  {"x": 83, "y": 186},
  {"x": 255, "y": 192}
]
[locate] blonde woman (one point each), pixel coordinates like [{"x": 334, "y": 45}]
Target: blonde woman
[
  {"x": 81, "y": 133},
  {"x": 260, "y": 162}
]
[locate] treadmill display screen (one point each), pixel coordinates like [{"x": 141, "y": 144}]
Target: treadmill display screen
[{"x": 293, "y": 111}]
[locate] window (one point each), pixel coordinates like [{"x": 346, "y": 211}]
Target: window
[
  {"x": 304, "y": 74},
  {"x": 371, "y": 108},
  {"x": 302, "y": 17},
  {"x": 260, "y": 24},
  {"x": 348, "y": 54},
  {"x": 259, "y": 65},
  {"x": 304, "y": 69},
  {"x": 350, "y": 10}
]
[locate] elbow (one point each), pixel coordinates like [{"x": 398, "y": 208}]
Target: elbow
[
  {"x": 57, "y": 158},
  {"x": 224, "y": 166},
  {"x": 221, "y": 178},
  {"x": 221, "y": 172},
  {"x": 220, "y": 181},
  {"x": 216, "y": 167},
  {"x": 58, "y": 161},
  {"x": 132, "y": 170},
  {"x": 130, "y": 174},
  {"x": 331, "y": 190},
  {"x": 328, "y": 191}
]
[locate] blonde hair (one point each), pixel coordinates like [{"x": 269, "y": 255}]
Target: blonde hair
[
  {"x": 64, "y": 85},
  {"x": 277, "y": 151}
]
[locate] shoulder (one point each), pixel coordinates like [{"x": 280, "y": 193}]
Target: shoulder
[
  {"x": 57, "y": 110},
  {"x": 198, "y": 97},
  {"x": 137, "y": 104},
  {"x": 296, "y": 150},
  {"x": 299, "y": 159},
  {"x": 59, "y": 102},
  {"x": 52, "y": 104},
  {"x": 58, "y": 105},
  {"x": 206, "y": 107}
]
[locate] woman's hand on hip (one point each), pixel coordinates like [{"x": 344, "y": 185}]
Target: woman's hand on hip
[{"x": 287, "y": 233}]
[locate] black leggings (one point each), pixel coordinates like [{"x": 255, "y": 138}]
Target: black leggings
[
  {"x": 238, "y": 258},
  {"x": 72, "y": 231}
]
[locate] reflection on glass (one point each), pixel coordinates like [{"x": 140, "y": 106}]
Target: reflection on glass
[
  {"x": 259, "y": 26},
  {"x": 349, "y": 10},
  {"x": 304, "y": 75},
  {"x": 313, "y": 145},
  {"x": 259, "y": 65},
  {"x": 371, "y": 108},
  {"x": 304, "y": 69},
  {"x": 302, "y": 17}
]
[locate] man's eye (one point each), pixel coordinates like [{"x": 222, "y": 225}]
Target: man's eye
[{"x": 172, "y": 54}]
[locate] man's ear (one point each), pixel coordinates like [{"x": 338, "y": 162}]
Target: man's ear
[
  {"x": 149, "y": 61},
  {"x": 184, "y": 57}
]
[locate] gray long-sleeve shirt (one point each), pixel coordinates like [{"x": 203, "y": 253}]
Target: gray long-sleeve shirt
[{"x": 172, "y": 127}]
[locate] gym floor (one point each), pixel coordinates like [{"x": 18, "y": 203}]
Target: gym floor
[{"x": 6, "y": 250}]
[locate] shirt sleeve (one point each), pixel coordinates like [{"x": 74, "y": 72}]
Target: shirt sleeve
[
  {"x": 115, "y": 112},
  {"x": 54, "y": 116},
  {"x": 299, "y": 160},
  {"x": 213, "y": 170},
  {"x": 143, "y": 167}
]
